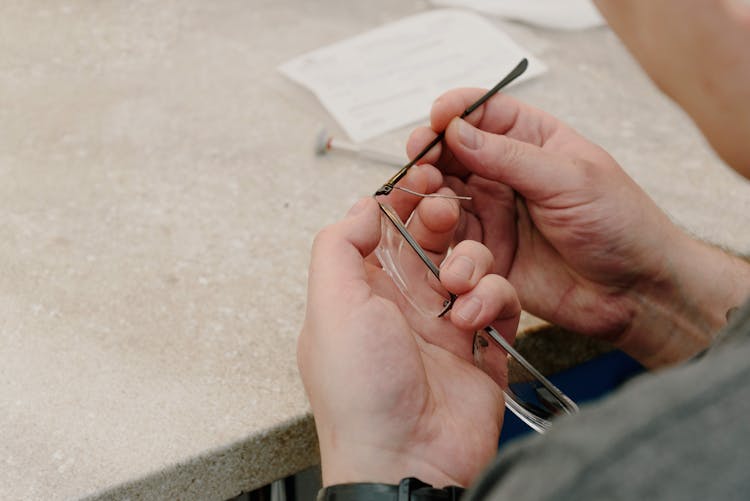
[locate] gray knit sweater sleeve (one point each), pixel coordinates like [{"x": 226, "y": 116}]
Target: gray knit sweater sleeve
[{"x": 682, "y": 433}]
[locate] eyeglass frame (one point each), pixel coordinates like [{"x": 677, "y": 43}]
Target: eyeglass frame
[{"x": 514, "y": 403}]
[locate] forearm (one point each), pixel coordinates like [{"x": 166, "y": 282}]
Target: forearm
[
  {"x": 712, "y": 84},
  {"x": 680, "y": 312}
]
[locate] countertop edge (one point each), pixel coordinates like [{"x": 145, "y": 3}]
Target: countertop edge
[{"x": 223, "y": 473}]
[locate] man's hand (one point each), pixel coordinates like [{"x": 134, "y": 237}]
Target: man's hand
[
  {"x": 395, "y": 394},
  {"x": 583, "y": 245}
]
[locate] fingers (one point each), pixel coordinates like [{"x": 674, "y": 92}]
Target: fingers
[
  {"x": 497, "y": 115},
  {"x": 483, "y": 298},
  {"x": 419, "y": 138},
  {"x": 490, "y": 217},
  {"x": 466, "y": 265},
  {"x": 492, "y": 300},
  {"x": 434, "y": 222},
  {"x": 420, "y": 178},
  {"x": 527, "y": 168},
  {"x": 501, "y": 114},
  {"x": 337, "y": 274}
]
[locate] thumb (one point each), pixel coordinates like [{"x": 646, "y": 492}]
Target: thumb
[
  {"x": 337, "y": 267},
  {"x": 533, "y": 172}
]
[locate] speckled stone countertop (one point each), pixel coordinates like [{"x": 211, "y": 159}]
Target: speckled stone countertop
[{"x": 158, "y": 197}]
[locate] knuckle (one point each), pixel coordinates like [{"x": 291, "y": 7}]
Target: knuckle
[
  {"x": 477, "y": 251},
  {"x": 505, "y": 294},
  {"x": 509, "y": 150}
]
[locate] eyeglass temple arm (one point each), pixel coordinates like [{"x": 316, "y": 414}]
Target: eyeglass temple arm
[
  {"x": 568, "y": 405},
  {"x": 393, "y": 218},
  {"x": 515, "y": 73}
]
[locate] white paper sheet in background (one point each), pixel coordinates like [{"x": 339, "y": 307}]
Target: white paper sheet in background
[
  {"x": 388, "y": 77},
  {"x": 556, "y": 14}
]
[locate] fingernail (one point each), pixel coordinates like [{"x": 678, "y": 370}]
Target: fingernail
[
  {"x": 357, "y": 208},
  {"x": 462, "y": 267},
  {"x": 468, "y": 310},
  {"x": 468, "y": 136}
]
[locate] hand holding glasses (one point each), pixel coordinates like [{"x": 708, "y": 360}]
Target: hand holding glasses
[{"x": 417, "y": 278}]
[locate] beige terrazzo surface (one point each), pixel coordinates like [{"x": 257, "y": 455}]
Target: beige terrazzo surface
[{"x": 158, "y": 196}]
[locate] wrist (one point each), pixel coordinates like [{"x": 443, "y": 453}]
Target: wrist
[
  {"x": 406, "y": 489},
  {"x": 345, "y": 465},
  {"x": 680, "y": 310}
]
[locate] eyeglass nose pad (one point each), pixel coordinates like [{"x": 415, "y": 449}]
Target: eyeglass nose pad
[
  {"x": 447, "y": 305},
  {"x": 478, "y": 348}
]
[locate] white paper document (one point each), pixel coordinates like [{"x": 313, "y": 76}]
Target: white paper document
[
  {"x": 388, "y": 77},
  {"x": 555, "y": 14}
]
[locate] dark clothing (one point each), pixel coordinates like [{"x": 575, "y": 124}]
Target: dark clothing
[{"x": 682, "y": 433}]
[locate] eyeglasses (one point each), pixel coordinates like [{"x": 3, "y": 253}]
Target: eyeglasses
[{"x": 417, "y": 277}]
